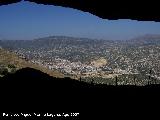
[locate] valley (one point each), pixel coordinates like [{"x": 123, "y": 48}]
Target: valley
[{"x": 92, "y": 59}]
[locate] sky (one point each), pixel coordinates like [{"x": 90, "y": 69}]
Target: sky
[{"x": 27, "y": 20}]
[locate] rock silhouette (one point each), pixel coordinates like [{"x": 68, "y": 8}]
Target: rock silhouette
[
  {"x": 106, "y": 9},
  {"x": 32, "y": 90}
]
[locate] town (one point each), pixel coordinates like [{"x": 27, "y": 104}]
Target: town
[{"x": 86, "y": 58}]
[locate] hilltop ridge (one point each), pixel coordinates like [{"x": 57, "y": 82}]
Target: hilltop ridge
[{"x": 147, "y": 39}]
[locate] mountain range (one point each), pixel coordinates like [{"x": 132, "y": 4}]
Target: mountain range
[{"x": 49, "y": 41}]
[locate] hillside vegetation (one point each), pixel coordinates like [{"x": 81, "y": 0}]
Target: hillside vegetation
[
  {"x": 135, "y": 61},
  {"x": 11, "y": 62}
]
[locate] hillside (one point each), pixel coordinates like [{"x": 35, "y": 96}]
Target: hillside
[
  {"x": 9, "y": 58},
  {"x": 148, "y": 39},
  {"x": 133, "y": 61}
]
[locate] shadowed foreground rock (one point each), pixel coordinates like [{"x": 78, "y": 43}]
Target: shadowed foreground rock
[{"x": 31, "y": 90}]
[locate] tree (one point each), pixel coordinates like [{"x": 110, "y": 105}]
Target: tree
[
  {"x": 3, "y": 71},
  {"x": 149, "y": 77},
  {"x": 11, "y": 66},
  {"x": 116, "y": 82},
  {"x": 13, "y": 70},
  {"x": 80, "y": 79},
  {"x": 134, "y": 80}
]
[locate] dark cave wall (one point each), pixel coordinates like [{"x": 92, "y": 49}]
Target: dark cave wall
[
  {"x": 112, "y": 10},
  {"x": 5, "y": 2}
]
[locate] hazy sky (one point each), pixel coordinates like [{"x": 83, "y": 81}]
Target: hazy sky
[{"x": 27, "y": 20}]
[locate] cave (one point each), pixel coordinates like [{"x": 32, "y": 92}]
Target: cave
[
  {"x": 115, "y": 100},
  {"x": 112, "y": 10}
]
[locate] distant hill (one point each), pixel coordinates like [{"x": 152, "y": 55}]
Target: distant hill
[
  {"x": 63, "y": 46},
  {"x": 8, "y": 58},
  {"x": 148, "y": 39},
  {"x": 50, "y": 42}
]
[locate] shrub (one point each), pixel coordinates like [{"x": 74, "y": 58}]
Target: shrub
[
  {"x": 3, "y": 71},
  {"x": 11, "y": 66}
]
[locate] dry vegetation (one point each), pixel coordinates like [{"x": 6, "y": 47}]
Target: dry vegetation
[
  {"x": 99, "y": 62},
  {"x": 7, "y": 58}
]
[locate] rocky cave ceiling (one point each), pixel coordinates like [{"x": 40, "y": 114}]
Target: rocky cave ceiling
[{"x": 112, "y": 10}]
